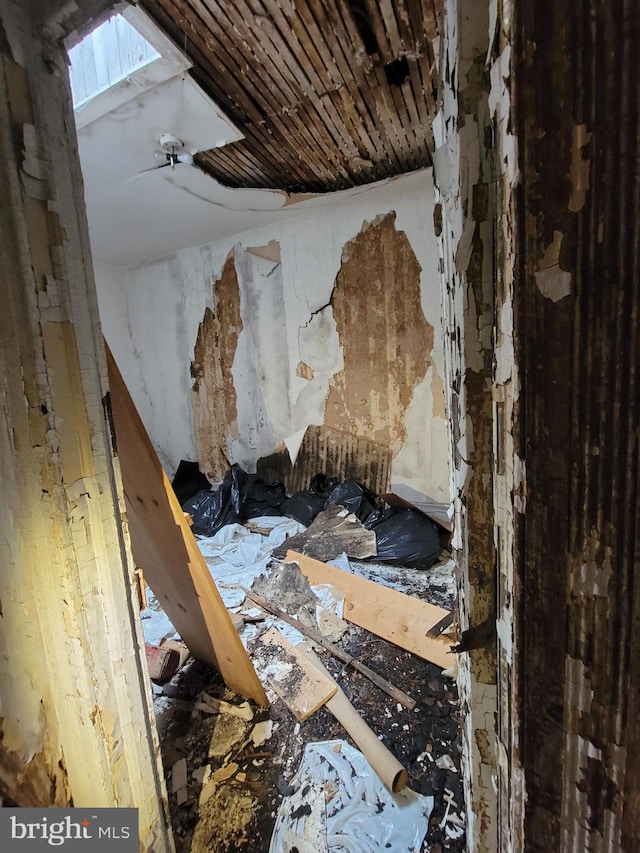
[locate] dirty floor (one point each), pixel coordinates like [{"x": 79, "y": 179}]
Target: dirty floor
[{"x": 235, "y": 809}]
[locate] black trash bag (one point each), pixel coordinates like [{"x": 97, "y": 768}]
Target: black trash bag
[
  {"x": 322, "y": 484},
  {"x": 405, "y": 537},
  {"x": 189, "y": 480},
  {"x": 211, "y": 510},
  {"x": 304, "y": 505},
  {"x": 252, "y": 497},
  {"x": 355, "y": 497}
]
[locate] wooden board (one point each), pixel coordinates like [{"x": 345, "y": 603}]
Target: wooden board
[
  {"x": 336, "y": 651},
  {"x": 164, "y": 547},
  {"x": 398, "y": 618},
  {"x": 302, "y": 687}
]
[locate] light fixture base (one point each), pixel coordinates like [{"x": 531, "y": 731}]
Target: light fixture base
[{"x": 170, "y": 144}]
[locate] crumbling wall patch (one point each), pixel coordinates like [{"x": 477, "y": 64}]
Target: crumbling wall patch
[
  {"x": 386, "y": 340},
  {"x": 214, "y": 399}
]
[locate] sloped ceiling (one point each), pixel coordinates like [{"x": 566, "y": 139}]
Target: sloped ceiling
[{"x": 329, "y": 94}]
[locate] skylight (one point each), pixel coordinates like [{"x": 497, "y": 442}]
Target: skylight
[{"x": 105, "y": 57}]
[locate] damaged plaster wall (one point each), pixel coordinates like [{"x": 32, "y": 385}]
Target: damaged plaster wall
[
  {"x": 76, "y": 720},
  {"x": 215, "y": 404},
  {"x": 291, "y": 349},
  {"x": 386, "y": 341}
]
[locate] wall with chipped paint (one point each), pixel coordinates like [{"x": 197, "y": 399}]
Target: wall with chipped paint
[
  {"x": 76, "y": 719},
  {"x": 465, "y": 194},
  {"x": 574, "y": 319},
  {"x": 553, "y": 725},
  {"x": 290, "y": 348},
  {"x": 509, "y": 481}
]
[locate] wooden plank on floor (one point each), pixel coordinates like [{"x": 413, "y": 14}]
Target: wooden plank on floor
[
  {"x": 165, "y": 548},
  {"x": 401, "y": 619},
  {"x": 300, "y": 685}
]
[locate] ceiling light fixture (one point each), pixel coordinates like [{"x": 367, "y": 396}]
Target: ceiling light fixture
[{"x": 172, "y": 151}]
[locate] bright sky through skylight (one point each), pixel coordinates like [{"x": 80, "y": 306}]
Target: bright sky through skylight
[{"x": 104, "y": 57}]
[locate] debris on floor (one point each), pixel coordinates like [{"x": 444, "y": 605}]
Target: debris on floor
[
  {"x": 246, "y": 778},
  {"x": 163, "y": 662},
  {"x": 337, "y": 803},
  {"x": 333, "y": 531}
]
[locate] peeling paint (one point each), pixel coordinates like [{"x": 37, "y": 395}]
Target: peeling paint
[
  {"x": 593, "y": 580},
  {"x": 592, "y": 576},
  {"x": 386, "y": 340},
  {"x": 554, "y": 283},
  {"x": 304, "y": 371},
  {"x": 67, "y": 624},
  {"x": 504, "y": 350},
  {"x": 463, "y": 177},
  {"x": 214, "y": 399},
  {"x": 499, "y": 107}
]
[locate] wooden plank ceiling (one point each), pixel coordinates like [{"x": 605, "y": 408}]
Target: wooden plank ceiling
[{"x": 329, "y": 94}]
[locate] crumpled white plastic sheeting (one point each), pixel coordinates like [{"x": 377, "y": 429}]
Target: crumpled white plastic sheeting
[
  {"x": 156, "y": 625},
  {"x": 360, "y": 815},
  {"x": 236, "y": 556}
]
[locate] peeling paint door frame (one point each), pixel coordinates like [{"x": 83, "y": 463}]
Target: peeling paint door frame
[{"x": 78, "y": 724}]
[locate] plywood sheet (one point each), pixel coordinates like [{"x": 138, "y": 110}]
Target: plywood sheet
[
  {"x": 164, "y": 547},
  {"x": 398, "y": 618},
  {"x": 300, "y": 685}
]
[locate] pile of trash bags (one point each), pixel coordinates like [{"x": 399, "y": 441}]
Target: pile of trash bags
[
  {"x": 239, "y": 497},
  {"x": 403, "y": 536}
]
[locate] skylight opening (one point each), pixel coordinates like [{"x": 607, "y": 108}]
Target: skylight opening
[{"x": 105, "y": 57}]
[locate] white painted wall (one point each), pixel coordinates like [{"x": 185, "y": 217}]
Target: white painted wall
[{"x": 152, "y": 326}]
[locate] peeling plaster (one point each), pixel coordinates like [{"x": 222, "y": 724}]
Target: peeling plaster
[
  {"x": 214, "y": 398},
  {"x": 553, "y": 283},
  {"x": 504, "y": 355},
  {"x": 151, "y": 314},
  {"x": 385, "y": 338}
]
